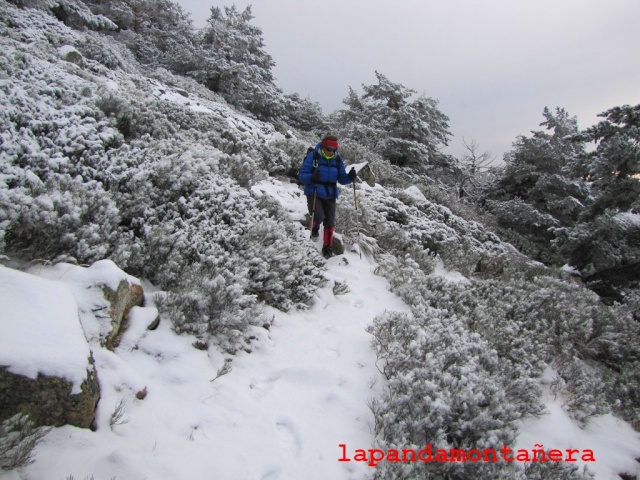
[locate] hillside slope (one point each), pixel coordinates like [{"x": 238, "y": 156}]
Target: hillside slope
[{"x": 103, "y": 159}]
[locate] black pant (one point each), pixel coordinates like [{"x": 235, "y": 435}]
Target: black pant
[{"x": 325, "y": 211}]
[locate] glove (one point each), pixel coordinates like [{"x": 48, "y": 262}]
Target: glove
[
  {"x": 352, "y": 174},
  {"x": 315, "y": 176}
]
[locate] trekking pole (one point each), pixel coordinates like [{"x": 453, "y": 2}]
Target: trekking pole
[
  {"x": 313, "y": 211},
  {"x": 355, "y": 203},
  {"x": 355, "y": 198}
]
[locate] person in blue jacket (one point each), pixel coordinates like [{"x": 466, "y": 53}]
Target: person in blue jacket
[{"x": 322, "y": 169}]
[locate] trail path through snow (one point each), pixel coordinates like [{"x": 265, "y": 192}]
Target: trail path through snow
[{"x": 305, "y": 390}]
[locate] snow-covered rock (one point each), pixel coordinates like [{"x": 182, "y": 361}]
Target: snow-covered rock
[{"x": 46, "y": 365}]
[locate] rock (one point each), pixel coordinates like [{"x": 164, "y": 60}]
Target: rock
[
  {"x": 365, "y": 173},
  {"x": 122, "y": 300},
  {"x": 71, "y": 55},
  {"x": 49, "y": 400},
  {"x": 338, "y": 246},
  {"x": 105, "y": 296}
]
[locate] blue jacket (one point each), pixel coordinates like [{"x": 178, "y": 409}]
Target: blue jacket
[{"x": 331, "y": 172}]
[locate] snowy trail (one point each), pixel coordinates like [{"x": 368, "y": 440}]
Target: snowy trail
[{"x": 305, "y": 390}]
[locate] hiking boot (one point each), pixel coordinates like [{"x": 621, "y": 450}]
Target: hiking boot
[
  {"x": 327, "y": 251},
  {"x": 315, "y": 232}
]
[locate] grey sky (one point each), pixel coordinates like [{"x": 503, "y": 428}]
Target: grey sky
[{"x": 492, "y": 64}]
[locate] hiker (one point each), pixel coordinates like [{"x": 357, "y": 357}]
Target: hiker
[{"x": 321, "y": 170}]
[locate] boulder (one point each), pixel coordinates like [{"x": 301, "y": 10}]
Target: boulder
[
  {"x": 122, "y": 300},
  {"x": 338, "y": 246},
  {"x": 49, "y": 400},
  {"x": 365, "y": 173},
  {"x": 46, "y": 364},
  {"x": 71, "y": 55}
]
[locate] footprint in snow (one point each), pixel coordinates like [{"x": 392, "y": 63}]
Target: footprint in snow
[{"x": 289, "y": 435}]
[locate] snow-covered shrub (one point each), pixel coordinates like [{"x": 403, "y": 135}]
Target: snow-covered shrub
[
  {"x": 102, "y": 164},
  {"x": 444, "y": 389},
  {"x": 427, "y": 226},
  {"x": 18, "y": 439},
  {"x": 63, "y": 215},
  {"x": 284, "y": 269},
  {"x": 211, "y": 303},
  {"x": 196, "y": 232},
  {"x": 283, "y": 157},
  {"x": 106, "y": 51},
  {"x": 535, "y": 319},
  {"x": 585, "y": 389},
  {"x": 555, "y": 471},
  {"x": 243, "y": 169}
]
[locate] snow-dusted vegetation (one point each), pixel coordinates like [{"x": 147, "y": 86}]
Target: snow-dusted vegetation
[{"x": 134, "y": 139}]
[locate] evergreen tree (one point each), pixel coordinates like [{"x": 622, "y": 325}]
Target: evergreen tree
[
  {"x": 158, "y": 32},
  {"x": 537, "y": 191},
  {"x": 304, "y": 114},
  {"x": 237, "y": 65},
  {"x": 409, "y": 133},
  {"x": 614, "y": 166},
  {"x": 605, "y": 245}
]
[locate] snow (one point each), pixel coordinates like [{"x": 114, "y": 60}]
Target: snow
[
  {"x": 628, "y": 219},
  {"x": 66, "y": 49},
  {"x": 163, "y": 92},
  {"x": 414, "y": 192},
  {"x": 87, "y": 285},
  {"x": 450, "y": 276},
  {"x": 39, "y": 329},
  {"x": 283, "y": 410},
  {"x": 614, "y": 442}
]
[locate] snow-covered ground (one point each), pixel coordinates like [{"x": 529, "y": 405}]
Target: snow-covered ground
[{"x": 279, "y": 414}]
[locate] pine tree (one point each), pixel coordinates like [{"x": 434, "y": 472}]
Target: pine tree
[
  {"x": 409, "y": 133},
  {"x": 605, "y": 245},
  {"x": 237, "y": 65},
  {"x": 158, "y": 32},
  {"x": 537, "y": 191}
]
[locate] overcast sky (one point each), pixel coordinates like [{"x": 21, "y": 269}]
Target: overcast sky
[{"x": 492, "y": 64}]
